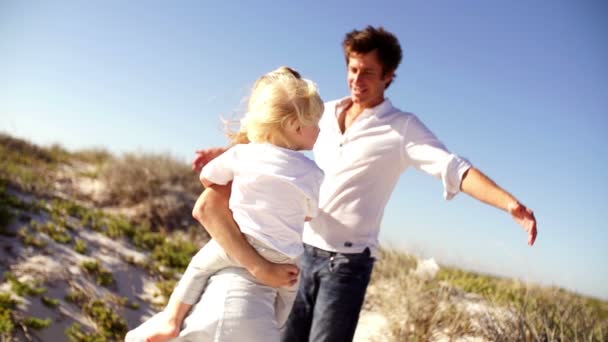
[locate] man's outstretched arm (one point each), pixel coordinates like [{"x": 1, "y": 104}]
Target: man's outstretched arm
[
  {"x": 211, "y": 210},
  {"x": 476, "y": 184}
]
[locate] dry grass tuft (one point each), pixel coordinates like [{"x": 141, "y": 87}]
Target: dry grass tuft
[
  {"x": 417, "y": 309},
  {"x": 93, "y": 155},
  {"x": 161, "y": 189},
  {"x": 135, "y": 178}
]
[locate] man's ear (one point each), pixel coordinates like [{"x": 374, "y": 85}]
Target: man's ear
[{"x": 389, "y": 76}]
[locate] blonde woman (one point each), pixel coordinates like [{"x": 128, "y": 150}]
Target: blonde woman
[{"x": 275, "y": 189}]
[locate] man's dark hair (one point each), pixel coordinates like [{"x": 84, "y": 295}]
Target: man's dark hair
[{"x": 379, "y": 39}]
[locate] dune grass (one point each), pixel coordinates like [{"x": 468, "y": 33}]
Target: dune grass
[
  {"x": 460, "y": 303},
  {"x": 28, "y": 166}
]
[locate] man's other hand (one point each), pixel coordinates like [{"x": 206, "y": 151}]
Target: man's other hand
[
  {"x": 277, "y": 275},
  {"x": 205, "y": 156}
]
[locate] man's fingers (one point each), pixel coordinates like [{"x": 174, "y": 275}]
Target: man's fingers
[
  {"x": 294, "y": 270},
  {"x": 533, "y": 234},
  {"x": 292, "y": 274},
  {"x": 532, "y": 225},
  {"x": 531, "y": 239},
  {"x": 525, "y": 217},
  {"x": 198, "y": 164}
]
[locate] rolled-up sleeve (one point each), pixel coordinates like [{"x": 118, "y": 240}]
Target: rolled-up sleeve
[{"x": 427, "y": 153}]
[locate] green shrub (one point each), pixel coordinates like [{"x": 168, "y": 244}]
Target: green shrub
[
  {"x": 9, "y": 201},
  {"x": 124, "y": 301},
  {"x": 49, "y": 302},
  {"x": 69, "y": 208},
  {"x": 147, "y": 239},
  {"x": 55, "y": 232},
  {"x": 7, "y": 321},
  {"x": 80, "y": 246},
  {"x": 37, "y": 323},
  {"x": 92, "y": 267},
  {"x": 119, "y": 226},
  {"x": 110, "y": 325},
  {"x": 22, "y": 289},
  {"x": 133, "y": 305},
  {"x": 103, "y": 277},
  {"x": 93, "y": 219},
  {"x": 175, "y": 253},
  {"x": 30, "y": 239},
  {"x": 76, "y": 296},
  {"x": 76, "y": 334}
]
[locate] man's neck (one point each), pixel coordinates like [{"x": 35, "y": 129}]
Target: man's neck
[
  {"x": 351, "y": 113},
  {"x": 357, "y": 108}
]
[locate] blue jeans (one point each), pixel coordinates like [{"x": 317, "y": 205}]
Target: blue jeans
[{"x": 330, "y": 296}]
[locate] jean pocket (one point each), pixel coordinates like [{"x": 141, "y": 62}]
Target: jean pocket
[{"x": 360, "y": 268}]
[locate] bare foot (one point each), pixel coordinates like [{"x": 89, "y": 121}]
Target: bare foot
[{"x": 165, "y": 330}]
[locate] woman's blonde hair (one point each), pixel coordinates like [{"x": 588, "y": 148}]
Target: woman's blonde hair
[{"x": 279, "y": 98}]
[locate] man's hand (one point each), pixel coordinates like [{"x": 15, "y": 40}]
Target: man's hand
[
  {"x": 205, "y": 156},
  {"x": 276, "y": 275},
  {"x": 525, "y": 217}
]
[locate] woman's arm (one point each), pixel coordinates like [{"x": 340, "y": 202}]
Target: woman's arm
[{"x": 211, "y": 210}]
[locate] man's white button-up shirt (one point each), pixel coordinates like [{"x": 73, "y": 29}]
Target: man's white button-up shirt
[{"x": 362, "y": 167}]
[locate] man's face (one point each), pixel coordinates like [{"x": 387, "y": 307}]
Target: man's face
[{"x": 365, "y": 79}]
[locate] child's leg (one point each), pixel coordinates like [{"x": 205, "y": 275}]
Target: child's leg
[{"x": 207, "y": 261}]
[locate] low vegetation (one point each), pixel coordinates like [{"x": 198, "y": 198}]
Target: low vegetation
[
  {"x": 11, "y": 318},
  {"x": 23, "y": 289},
  {"x": 102, "y": 276},
  {"x": 27, "y": 166},
  {"x": 459, "y": 303}
]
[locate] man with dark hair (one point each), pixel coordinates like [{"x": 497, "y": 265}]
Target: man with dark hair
[
  {"x": 370, "y": 39},
  {"x": 365, "y": 144}
]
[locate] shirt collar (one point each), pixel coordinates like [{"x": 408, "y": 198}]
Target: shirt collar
[{"x": 383, "y": 108}]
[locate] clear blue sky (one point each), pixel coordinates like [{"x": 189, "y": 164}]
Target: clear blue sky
[{"x": 520, "y": 88}]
